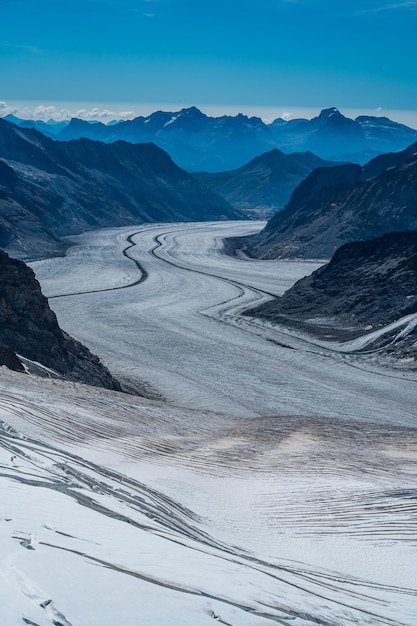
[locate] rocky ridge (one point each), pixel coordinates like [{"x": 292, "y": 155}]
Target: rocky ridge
[
  {"x": 264, "y": 185},
  {"x": 366, "y": 286},
  {"x": 29, "y": 330},
  {"x": 333, "y": 206}
]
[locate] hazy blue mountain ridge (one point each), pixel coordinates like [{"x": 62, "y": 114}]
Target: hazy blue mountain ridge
[
  {"x": 264, "y": 185},
  {"x": 198, "y": 142}
]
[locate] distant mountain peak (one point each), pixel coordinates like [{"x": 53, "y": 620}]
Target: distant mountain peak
[
  {"x": 76, "y": 122},
  {"x": 193, "y": 112},
  {"x": 327, "y": 113},
  {"x": 13, "y": 119}
]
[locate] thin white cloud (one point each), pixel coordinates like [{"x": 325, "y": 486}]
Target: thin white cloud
[
  {"x": 5, "y": 109},
  {"x": 22, "y": 47},
  {"x": 128, "y": 110},
  {"x": 143, "y": 9},
  {"x": 407, "y": 4},
  {"x": 101, "y": 114},
  {"x": 46, "y": 112}
]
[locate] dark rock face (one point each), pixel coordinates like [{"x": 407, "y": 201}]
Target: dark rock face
[
  {"x": 29, "y": 328},
  {"x": 264, "y": 185},
  {"x": 367, "y": 284},
  {"x": 50, "y": 188},
  {"x": 10, "y": 359},
  {"x": 333, "y": 206}
]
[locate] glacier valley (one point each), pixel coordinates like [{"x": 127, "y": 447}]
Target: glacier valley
[{"x": 259, "y": 478}]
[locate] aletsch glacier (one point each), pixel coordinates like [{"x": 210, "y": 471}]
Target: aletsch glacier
[{"x": 282, "y": 491}]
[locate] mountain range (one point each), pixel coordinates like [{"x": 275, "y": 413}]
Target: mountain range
[
  {"x": 51, "y": 188},
  {"x": 264, "y": 185},
  {"x": 336, "y": 205},
  {"x": 198, "y": 142}
]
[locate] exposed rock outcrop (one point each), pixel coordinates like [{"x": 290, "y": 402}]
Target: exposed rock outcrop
[
  {"x": 367, "y": 285},
  {"x": 10, "y": 359},
  {"x": 29, "y": 328}
]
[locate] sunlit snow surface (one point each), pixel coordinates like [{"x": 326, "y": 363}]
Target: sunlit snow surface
[{"x": 284, "y": 490}]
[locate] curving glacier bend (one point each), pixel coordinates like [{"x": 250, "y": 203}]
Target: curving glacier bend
[{"x": 266, "y": 479}]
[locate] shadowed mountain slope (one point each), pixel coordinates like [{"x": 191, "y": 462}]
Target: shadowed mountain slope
[
  {"x": 29, "y": 328},
  {"x": 366, "y": 285},
  {"x": 264, "y": 185},
  {"x": 50, "y": 188},
  {"x": 333, "y": 206}
]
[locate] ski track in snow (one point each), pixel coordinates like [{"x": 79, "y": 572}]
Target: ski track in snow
[{"x": 276, "y": 483}]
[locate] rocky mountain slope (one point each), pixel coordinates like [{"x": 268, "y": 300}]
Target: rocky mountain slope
[
  {"x": 366, "y": 285},
  {"x": 333, "y": 206},
  {"x": 29, "y": 328},
  {"x": 51, "y": 188},
  {"x": 22, "y": 231},
  {"x": 198, "y": 142},
  {"x": 264, "y": 185}
]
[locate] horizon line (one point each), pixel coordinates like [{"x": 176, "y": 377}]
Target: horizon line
[{"x": 108, "y": 111}]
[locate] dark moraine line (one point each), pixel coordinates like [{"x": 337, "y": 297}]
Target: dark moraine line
[
  {"x": 242, "y": 286},
  {"x": 143, "y": 277},
  {"x": 157, "y": 240}
]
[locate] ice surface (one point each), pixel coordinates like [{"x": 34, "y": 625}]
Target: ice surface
[
  {"x": 278, "y": 484},
  {"x": 180, "y": 330}
]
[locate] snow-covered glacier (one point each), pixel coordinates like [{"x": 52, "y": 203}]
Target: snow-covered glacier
[{"x": 263, "y": 479}]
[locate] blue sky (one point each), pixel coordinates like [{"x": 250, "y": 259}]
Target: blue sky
[{"x": 229, "y": 53}]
